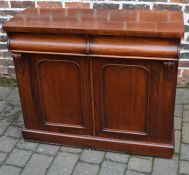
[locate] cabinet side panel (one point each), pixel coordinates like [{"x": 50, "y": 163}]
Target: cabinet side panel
[
  {"x": 167, "y": 91},
  {"x": 24, "y": 86}
]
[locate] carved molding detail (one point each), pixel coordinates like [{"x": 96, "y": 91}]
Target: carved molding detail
[
  {"x": 19, "y": 62},
  {"x": 168, "y": 69},
  {"x": 16, "y": 55}
]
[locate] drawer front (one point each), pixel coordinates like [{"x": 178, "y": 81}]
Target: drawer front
[
  {"x": 128, "y": 99},
  {"x": 88, "y": 45},
  {"x": 61, "y": 93}
]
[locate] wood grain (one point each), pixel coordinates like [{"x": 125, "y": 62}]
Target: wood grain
[
  {"x": 94, "y": 45},
  {"x": 104, "y": 79},
  {"x": 99, "y": 22}
]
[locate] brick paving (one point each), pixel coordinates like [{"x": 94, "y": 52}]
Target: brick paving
[{"x": 19, "y": 157}]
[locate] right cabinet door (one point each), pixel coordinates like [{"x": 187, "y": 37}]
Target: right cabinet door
[{"x": 128, "y": 101}]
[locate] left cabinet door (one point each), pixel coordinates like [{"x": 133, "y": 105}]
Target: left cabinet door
[{"x": 61, "y": 92}]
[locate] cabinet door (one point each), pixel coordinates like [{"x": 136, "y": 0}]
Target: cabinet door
[
  {"x": 126, "y": 99},
  {"x": 61, "y": 93}
]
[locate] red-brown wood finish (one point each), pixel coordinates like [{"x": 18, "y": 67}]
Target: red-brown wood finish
[
  {"x": 98, "y": 22},
  {"x": 104, "y": 79}
]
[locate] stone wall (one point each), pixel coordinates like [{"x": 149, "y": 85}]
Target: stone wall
[{"x": 8, "y": 8}]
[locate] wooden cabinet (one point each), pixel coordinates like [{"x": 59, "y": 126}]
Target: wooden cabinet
[{"x": 98, "y": 78}]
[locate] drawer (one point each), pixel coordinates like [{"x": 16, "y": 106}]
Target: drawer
[{"x": 99, "y": 46}]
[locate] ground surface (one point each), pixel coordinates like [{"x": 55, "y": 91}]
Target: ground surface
[{"x": 19, "y": 157}]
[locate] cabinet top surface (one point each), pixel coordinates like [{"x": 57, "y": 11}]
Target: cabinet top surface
[{"x": 167, "y": 24}]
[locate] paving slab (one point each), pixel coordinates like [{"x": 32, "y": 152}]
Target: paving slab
[
  {"x": 184, "y": 152},
  {"x": 185, "y": 133},
  {"x": 186, "y": 107},
  {"x": 165, "y": 167},
  {"x": 4, "y": 92},
  {"x": 10, "y": 110},
  {"x": 138, "y": 164},
  {"x": 2, "y": 105},
  {"x": 117, "y": 157},
  {"x": 64, "y": 164},
  {"x": 182, "y": 96},
  {"x": 18, "y": 157},
  {"x": 2, "y": 157},
  {"x": 112, "y": 168},
  {"x": 3, "y": 127},
  {"x": 178, "y": 110},
  {"x": 92, "y": 156},
  {"x": 71, "y": 149},
  {"x": 14, "y": 95},
  {"x": 7, "y": 120},
  {"x": 186, "y": 116},
  {"x": 7, "y": 144},
  {"x": 129, "y": 172},
  {"x": 48, "y": 149},
  {"x": 19, "y": 121},
  {"x": 23, "y": 144},
  {"x": 85, "y": 169},
  {"x": 177, "y": 141},
  {"x": 184, "y": 167},
  {"x": 9, "y": 170},
  {"x": 14, "y": 131},
  {"x": 37, "y": 165},
  {"x": 177, "y": 123}
]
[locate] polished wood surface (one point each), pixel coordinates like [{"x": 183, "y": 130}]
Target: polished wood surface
[
  {"x": 128, "y": 146},
  {"x": 78, "y": 86},
  {"x": 94, "y": 45},
  {"x": 99, "y": 22}
]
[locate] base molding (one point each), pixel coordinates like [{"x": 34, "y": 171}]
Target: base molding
[{"x": 131, "y": 147}]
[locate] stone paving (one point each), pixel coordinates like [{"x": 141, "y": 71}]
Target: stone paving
[{"x": 19, "y": 157}]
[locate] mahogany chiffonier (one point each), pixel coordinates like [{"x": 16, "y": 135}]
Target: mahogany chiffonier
[{"x": 103, "y": 79}]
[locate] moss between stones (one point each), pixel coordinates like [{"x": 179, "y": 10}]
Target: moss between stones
[
  {"x": 8, "y": 82},
  {"x": 185, "y": 86}
]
